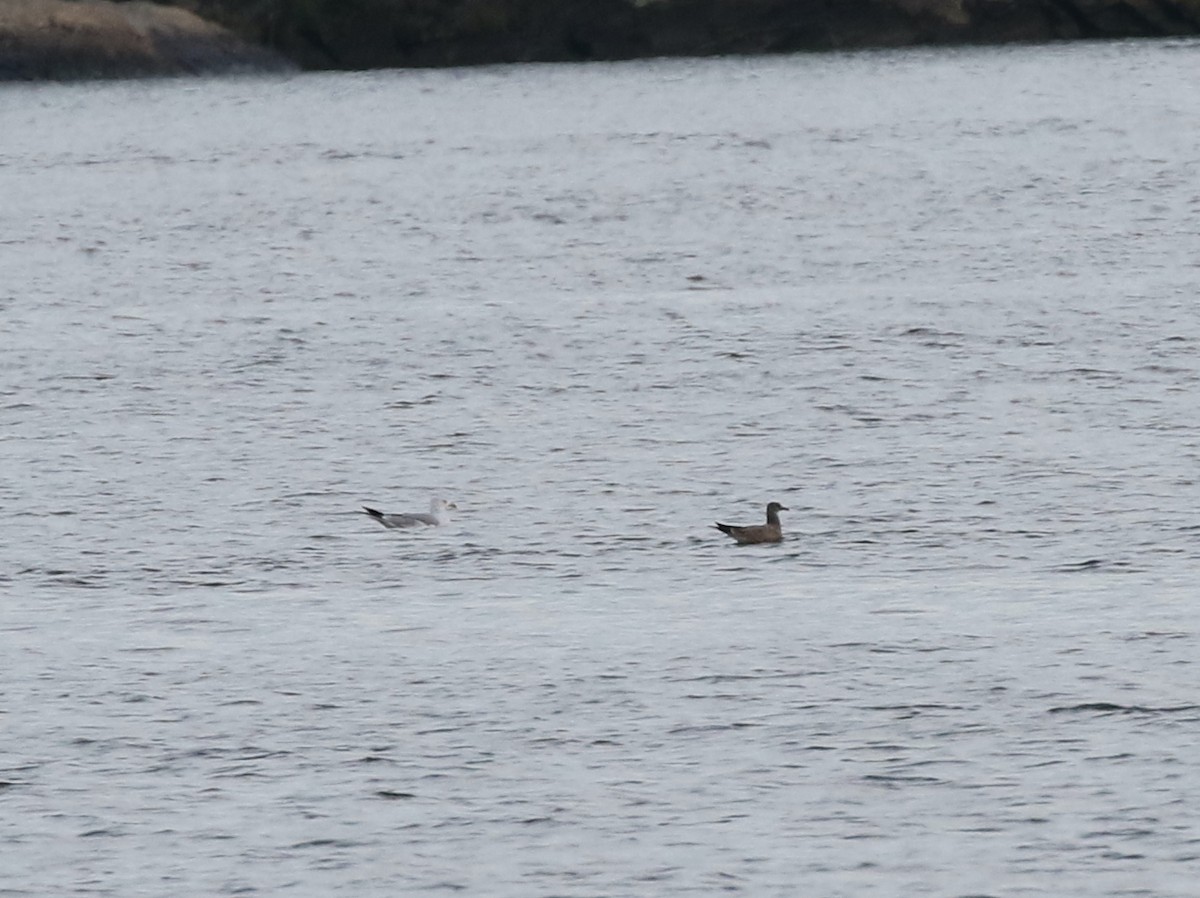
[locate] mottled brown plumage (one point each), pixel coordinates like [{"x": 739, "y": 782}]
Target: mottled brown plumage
[{"x": 770, "y": 532}]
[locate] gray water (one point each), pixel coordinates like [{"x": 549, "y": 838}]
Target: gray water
[{"x": 942, "y": 305}]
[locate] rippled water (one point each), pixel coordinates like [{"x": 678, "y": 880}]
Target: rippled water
[{"x": 940, "y": 304}]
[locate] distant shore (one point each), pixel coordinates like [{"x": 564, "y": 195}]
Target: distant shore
[
  {"x": 70, "y": 39},
  {"x": 64, "y": 40}
]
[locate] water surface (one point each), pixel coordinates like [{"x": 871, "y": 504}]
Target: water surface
[{"x": 940, "y": 304}]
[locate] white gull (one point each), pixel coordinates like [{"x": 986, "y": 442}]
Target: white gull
[{"x": 437, "y": 516}]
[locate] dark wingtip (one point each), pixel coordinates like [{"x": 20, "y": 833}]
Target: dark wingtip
[{"x": 372, "y": 512}]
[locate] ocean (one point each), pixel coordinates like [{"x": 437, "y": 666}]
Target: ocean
[{"x": 941, "y": 304}]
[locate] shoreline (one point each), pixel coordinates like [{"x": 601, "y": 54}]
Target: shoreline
[
  {"x": 57, "y": 40},
  {"x": 94, "y": 39}
]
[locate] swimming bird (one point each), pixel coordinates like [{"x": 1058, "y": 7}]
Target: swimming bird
[
  {"x": 437, "y": 516},
  {"x": 769, "y": 532}
]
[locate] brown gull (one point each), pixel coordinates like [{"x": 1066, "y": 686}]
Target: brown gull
[{"x": 769, "y": 532}]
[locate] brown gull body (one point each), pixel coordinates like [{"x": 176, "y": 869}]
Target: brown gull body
[{"x": 770, "y": 532}]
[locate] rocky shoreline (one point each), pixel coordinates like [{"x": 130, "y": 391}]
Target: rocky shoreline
[{"x": 64, "y": 39}]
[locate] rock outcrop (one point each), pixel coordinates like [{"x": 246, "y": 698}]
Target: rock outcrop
[
  {"x": 87, "y": 38},
  {"x": 57, "y": 39},
  {"x": 356, "y": 34}
]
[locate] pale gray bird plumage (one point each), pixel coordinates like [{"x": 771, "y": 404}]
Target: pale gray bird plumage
[{"x": 438, "y": 514}]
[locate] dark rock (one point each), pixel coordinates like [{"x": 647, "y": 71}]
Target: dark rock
[
  {"x": 56, "y": 38},
  {"x": 355, "y": 34}
]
